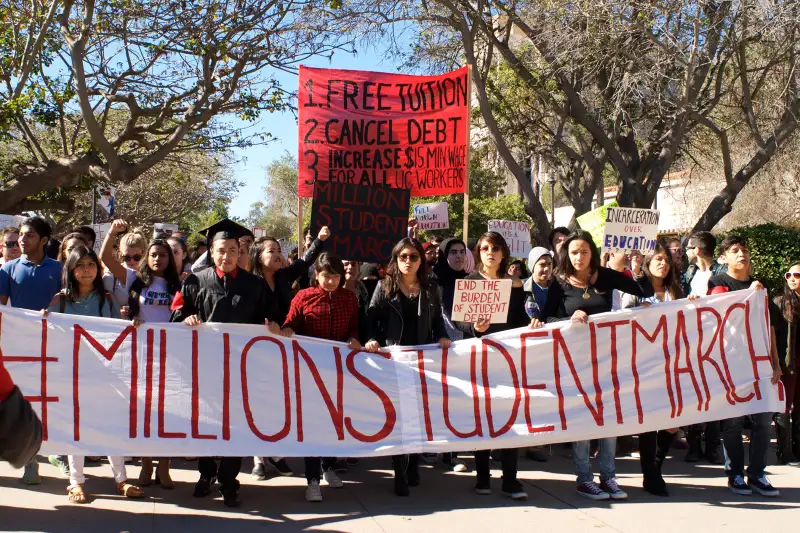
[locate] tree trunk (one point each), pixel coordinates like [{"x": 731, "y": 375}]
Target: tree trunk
[{"x": 62, "y": 172}]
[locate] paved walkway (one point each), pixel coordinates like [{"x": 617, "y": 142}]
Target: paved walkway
[{"x": 444, "y": 502}]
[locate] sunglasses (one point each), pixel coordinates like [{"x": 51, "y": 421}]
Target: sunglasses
[
  {"x": 790, "y": 275},
  {"x": 11, "y": 244},
  {"x": 490, "y": 249},
  {"x": 408, "y": 257},
  {"x": 128, "y": 258}
]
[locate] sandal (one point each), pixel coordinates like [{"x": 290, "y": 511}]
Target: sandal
[
  {"x": 129, "y": 491},
  {"x": 76, "y": 494}
]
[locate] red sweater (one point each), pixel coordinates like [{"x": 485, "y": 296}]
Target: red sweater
[
  {"x": 6, "y": 385},
  {"x": 324, "y": 315}
]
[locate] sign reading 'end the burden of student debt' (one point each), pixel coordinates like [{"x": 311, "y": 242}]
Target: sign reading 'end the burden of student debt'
[
  {"x": 432, "y": 216},
  {"x": 377, "y": 129},
  {"x": 481, "y": 298},
  {"x": 365, "y": 222},
  {"x": 630, "y": 229}
]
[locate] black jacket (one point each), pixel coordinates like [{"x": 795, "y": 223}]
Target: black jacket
[
  {"x": 20, "y": 430},
  {"x": 285, "y": 277},
  {"x": 385, "y": 317},
  {"x": 446, "y": 278},
  {"x": 785, "y": 337},
  {"x": 244, "y": 301}
]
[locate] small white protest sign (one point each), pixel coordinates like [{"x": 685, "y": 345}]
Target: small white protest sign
[
  {"x": 629, "y": 229},
  {"x": 259, "y": 232},
  {"x": 432, "y": 216},
  {"x": 516, "y": 234},
  {"x": 11, "y": 221},
  {"x": 101, "y": 230},
  {"x": 163, "y": 231},
  {"x": 482, "y": 298}
]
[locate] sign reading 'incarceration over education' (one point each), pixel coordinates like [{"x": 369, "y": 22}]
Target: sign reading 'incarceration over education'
[
  {"x": 377, "y": 129},
  {"x": 365, "y": 222}
]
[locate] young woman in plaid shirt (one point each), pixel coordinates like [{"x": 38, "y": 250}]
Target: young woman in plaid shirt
[
  {"x": 406, "y": 310},
  {"x": 325, "y": 311}
]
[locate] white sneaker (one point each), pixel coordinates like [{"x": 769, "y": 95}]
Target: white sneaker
[
  {"x": 313, "y": 492},
  {"x": 459, "y": 465},
  {"x": 332, "y": 479}
]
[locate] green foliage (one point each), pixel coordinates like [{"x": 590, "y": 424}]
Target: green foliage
[{"x": 773, "y": 249}]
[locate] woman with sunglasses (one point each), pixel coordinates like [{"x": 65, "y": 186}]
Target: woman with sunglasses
[
  {"x": 654, "y": 445},
  {"x": 787, "y": 423},
  {"x": 84, "y": 294},
  {"x": 131, "y": 251},
  {"x": 492, "y": 257},
  {"x": 584, "y": 288},
  {"x": 150, "y": 292},
  {"x": 405, "y": 310}
]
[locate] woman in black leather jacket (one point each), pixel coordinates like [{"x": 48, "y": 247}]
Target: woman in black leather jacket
[{"x": 405, "y": 310}]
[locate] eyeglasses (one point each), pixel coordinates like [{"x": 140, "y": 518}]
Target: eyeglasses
[
  {"x": 128, "y": 258},
  {"x": 408, "y": 257},
  {"x": 690, "y": 248},
  {"x": 675, "y": 249},
  {"x": 11, "y": 244},
  {"x": 490, "y": 249},
  {"x": 790, "y": 275}
]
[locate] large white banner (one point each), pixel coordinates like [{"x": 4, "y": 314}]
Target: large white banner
[{"x": 234, "y": 390}]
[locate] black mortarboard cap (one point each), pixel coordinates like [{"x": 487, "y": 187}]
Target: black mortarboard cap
[{"x": 224, "y": 229}]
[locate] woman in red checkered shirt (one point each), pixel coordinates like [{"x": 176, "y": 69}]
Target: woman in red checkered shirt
[
  {"x": 326, "y": 310},
  {"x": 406, "y": 310}
]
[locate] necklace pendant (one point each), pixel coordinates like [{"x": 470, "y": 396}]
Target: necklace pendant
[{"x": 586, "y": 295}]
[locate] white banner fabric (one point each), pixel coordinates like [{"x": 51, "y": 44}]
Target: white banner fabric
[{"x": 234, "y": 390}]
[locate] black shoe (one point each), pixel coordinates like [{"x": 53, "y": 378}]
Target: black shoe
[
  {"x": 537, "y": 455},
  {"x": 413, "y": 476},
  {"x": 483, "y": 487},
  {"x": 259, "y": 473},
  {"x": 231, "y": 498},
  {"x": 763, "y": 487},
  {"x": 202, "y": 488},
  {"x": 713, "y": 456},
  {"x": 655, "y": 485},
  {"x": 281, "y": 466},
  {"x": 352, "y": 461},
  {"x": 340, "y": 466},
  {"x": 513, "y": 489},
  {"x": 496, "y": 455},
  {"x": 400, "y": 486}
]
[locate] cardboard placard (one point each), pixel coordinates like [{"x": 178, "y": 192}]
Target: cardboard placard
[
  {"x": 365, "y": 222},
  {"x": 378, "y": 129},
  {"x": 432, "y": 216},
  {"x": 516, "y": 234},
  {"x": 629, "y": 229},
  {"x": 481, "y": 298},
  {"x": 595, "y": 222},
  {"x": 163, "y": 231},
  {"x": 106, "y": 203}
]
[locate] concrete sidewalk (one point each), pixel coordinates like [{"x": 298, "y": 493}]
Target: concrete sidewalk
[{"x": 444, "y": 502}]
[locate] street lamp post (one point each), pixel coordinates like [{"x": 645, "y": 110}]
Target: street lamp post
[{"x": 552, "y": 181}]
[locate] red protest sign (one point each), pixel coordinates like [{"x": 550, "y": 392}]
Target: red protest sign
[{"x": 377, "y": 129}]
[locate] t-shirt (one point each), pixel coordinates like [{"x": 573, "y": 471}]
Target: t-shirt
[
  {"x": 410, "y": 308},
  {"x": 722, "y": 283},
  {"x": 28, "y": 285},
  {"x": 699, "y": 283},
  {"x": 154, "y": 301},
  {"x": 89, "y": 306}
]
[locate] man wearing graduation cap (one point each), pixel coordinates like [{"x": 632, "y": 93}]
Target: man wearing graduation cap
[
  {"x": 245, "y": 236},
  {"x": 223, "y": 293}
]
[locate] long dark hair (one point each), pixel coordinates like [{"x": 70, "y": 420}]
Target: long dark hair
[
  {"x": 564, "y": 268},
  {"x": 255, "y": 254},
  {"x": 68, "y": 280},
  {"x": 671, "y": 283},
  {"x": 62, "y": 251},
  {"x": 495, "y": 239},
  {"x": 327, "y": 262},
  {"x": 182, "y": 244},
  {"x": 791, "y": 302},
  {"x": 170, "y": 274},
  {"x": 391, "y": 283}
]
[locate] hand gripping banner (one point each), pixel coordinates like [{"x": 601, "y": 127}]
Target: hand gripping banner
[{"x": 106, "y": 388}]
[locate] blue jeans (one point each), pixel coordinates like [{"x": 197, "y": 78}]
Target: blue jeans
[
  {"x": 734, "y": 449},
  {"x": 605, "y": 459}
]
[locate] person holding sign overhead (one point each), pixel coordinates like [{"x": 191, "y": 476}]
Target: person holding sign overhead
[
  {"x": 405, "y": 311},
  {"x": 491, "y": 263},
  {"x": 584, "y": 288}
]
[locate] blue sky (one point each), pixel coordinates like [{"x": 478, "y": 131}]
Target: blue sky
[{"x": 283, "y": 127}]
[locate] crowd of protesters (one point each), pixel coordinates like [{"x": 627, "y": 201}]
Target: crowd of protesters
[{"x": 231, "y": 277}]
